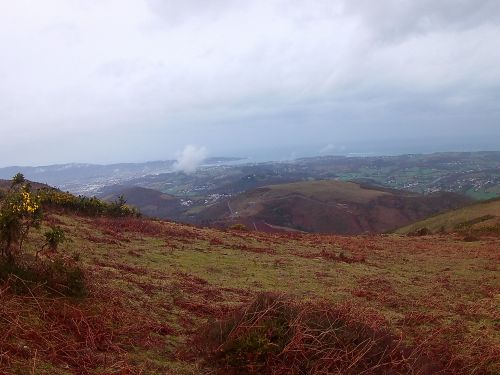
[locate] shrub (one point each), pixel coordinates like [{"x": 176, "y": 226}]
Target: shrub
[
  {"x": 470, "y": 238},
  {"x": 20, "y": 210},
  {"x": 421, "y": 232},
  {"x": 54, "y": 237},
  {"x": 239, "y": 226},
  {"x": 18, "y": 179},
  {"x": 57, "y": 275},
  {"x": 91, "y": 206}
]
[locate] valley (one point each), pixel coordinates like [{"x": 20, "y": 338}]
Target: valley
[
  {"x": 301, "y": 194},
  {"x": 206, "y": 197}
]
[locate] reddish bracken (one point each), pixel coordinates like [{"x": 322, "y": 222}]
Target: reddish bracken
[{"x": 278, "y": 335}]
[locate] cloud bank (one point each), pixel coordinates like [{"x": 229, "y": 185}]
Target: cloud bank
[{"x": 124, "y": 78}]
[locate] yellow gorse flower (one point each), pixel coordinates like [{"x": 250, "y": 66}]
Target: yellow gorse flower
[{"x": 27, "y": 204}]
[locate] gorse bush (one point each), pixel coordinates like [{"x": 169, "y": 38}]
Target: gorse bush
[
  {"x": 54, "y": 237},
  {"x": 91, "y": 206},
  {"x": 20, "y": 210}
]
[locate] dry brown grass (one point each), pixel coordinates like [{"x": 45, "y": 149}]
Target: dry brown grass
[
  {"x": 278, "y": 335},
  {"x": 427, "y": 301}
]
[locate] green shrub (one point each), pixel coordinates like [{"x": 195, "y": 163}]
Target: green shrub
[
  {"x": 54, "y": 237},
  {"x": 91, "y": 206},
  {"x": 20, "y": 210}
]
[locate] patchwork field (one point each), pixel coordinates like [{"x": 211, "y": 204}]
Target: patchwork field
[{"x": 154, "y": 286}]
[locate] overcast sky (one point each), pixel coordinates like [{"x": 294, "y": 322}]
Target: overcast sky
[{"x": 136, "y": 80}]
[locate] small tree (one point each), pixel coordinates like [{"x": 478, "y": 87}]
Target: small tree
[
  {"x": 53, "y": 238},
  {"x": 120, "y": 208},
  {"x": 18, "y": 180},
  {"x": 20, "y": 210}
]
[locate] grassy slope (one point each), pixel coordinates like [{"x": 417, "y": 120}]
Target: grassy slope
[
  {"x": 329, "y": 206},
  {"x": 487, "y": 213},
  {"x": 329, "y": 190},
  {"x": 155, "y": 283}
]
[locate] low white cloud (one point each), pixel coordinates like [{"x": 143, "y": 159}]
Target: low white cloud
[{"x": 190, "y": 158}]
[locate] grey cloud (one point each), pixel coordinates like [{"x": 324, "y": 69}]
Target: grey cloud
[
  {"x": 396, "y": 19},
  {"x": 166, "y": 73},
  {"x": 174, "y": 12}
]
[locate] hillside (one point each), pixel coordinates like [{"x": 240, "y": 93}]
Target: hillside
[
  {"x": 481, "y": 216},
  {"x": 5, "y": 185},
  {"x": 150, "y": 202},
  {"x": 154, "y": 286},
  {"x": 329, "y": 207}
]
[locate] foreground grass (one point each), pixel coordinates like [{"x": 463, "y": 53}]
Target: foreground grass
[{"x": 153, "y": 285}]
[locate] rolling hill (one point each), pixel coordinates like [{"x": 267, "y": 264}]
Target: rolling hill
[
  {"x": 315, "y": 206},
  {"x": 480, "y": 216},
  {"x": 328, "y": 207},
  {"x": 475, "y": 174}
]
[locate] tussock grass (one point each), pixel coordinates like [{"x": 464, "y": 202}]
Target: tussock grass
[{"x": 278, "y": 335}]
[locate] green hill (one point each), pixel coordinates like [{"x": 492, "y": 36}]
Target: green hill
[{"x": 478, "y": 217}]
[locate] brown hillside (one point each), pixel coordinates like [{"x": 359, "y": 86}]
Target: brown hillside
[{"x": 329, "y": 207}]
